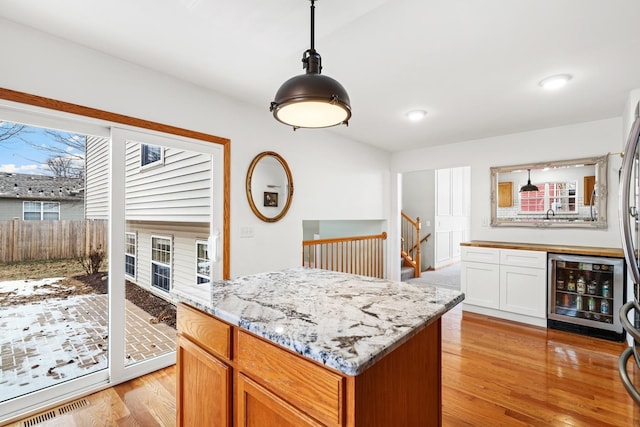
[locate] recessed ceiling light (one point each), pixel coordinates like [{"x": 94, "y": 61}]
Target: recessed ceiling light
[
  {"x": 555, "y": 82},
  {"x": 416, "y": 115}
]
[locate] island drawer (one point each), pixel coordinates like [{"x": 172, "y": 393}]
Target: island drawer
[
  {"x": 315, "y": 390},
  {"x": 212, "y": 334}
]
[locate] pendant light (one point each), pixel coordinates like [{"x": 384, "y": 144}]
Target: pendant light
[
  {"x": 311, "y": 100},
  {"x": 529, "y": 186}
]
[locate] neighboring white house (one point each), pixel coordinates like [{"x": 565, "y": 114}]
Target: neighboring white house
[
  {"x": 40, "y": 197},
  {"x": 168, "y": 200}
]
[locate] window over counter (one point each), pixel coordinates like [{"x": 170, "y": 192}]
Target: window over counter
[{"x": 559, "y": 197}]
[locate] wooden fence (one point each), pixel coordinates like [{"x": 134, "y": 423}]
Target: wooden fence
[{"x": 41, "y": 240}]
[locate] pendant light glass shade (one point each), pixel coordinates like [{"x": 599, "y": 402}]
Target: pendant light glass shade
[
  {"x": 311, "y": 100},
  {"x": 529, "y": 186}
]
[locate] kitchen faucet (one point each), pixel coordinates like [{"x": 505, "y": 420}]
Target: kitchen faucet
[{"x": 552, "y": 213}]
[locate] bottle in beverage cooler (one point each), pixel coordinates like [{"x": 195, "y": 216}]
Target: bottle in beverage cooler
[
  {"x": 581, "y": 285},
  {"x": 571, "y": 283},
  {"x": 606, "y": 289},
  {"x": 592, "y": 287},
  {"x": 604, "y": 307},
  {"x": 591, "y": 304},
  {"x": 578, "y": 302}
]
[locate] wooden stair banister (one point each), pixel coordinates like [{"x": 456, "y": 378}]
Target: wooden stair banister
[
  {"x": 363, "y": 255},
  {"x": 424, "y": 239},
  {"x": 410, "y": 242}
]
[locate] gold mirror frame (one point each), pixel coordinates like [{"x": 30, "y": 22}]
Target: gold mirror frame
[{"x": 288, "y": 191}]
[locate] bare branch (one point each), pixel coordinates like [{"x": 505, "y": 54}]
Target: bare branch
[{"x": 10, "y": 131}]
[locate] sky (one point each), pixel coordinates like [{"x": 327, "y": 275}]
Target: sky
[{"x": 26, "y": 152}]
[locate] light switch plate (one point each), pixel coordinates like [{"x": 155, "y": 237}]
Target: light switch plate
[{"x": 246, "y": 232}]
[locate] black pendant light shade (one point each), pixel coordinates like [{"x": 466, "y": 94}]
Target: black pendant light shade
[
  {"x": 529, "y": 186},
  {"x": 311, "y": 100}
]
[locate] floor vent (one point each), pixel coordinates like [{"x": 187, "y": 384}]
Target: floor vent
[
  {"x": 40, "y": 418},
  {"x": 49, "y": 415},
  {"x": 72, "y": 406}
]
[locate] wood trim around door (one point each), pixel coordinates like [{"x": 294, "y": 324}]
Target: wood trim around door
[{"x": 94, "y": 113}]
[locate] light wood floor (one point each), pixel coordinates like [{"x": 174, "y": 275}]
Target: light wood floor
[{"x": 495, "y": 373}]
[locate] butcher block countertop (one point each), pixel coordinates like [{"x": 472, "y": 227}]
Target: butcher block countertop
[{"x": 561, "y": 249}]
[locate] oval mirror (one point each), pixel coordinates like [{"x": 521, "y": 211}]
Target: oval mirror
[{"x": 269, "y": 186}]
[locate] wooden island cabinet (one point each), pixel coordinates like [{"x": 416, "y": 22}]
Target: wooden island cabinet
[{"x": 227, "y": 375}]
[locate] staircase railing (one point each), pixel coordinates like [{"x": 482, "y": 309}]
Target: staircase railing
[
  {"x": 410, "y": 242},
  {"x": 363, "y": 255}
]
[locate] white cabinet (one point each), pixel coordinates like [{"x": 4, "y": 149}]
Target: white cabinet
[
  {"x": 505, "y": 283},
  {"x": 480, "y": 276}
]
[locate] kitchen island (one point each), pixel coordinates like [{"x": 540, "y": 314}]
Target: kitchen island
[{"x": 311, "y": 347}]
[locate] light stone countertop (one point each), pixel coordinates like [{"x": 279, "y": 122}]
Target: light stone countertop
[{"x": 343, "y": 321}]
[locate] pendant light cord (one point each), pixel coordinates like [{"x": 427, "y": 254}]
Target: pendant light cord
[
  {"x": 311, "y": 60},
  {"x": 313, "y": 26}
]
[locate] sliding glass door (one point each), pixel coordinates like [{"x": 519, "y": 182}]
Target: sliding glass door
[
  {"x": 170, "y": 187},
  {"x": 96, "y": 258},
  {"x": 54, "y": 293}
]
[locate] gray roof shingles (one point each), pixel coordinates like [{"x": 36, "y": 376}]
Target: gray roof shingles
[{"x": 40, "y": 187}]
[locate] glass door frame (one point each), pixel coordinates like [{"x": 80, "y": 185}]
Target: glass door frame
[{"x": 26, "y": 108}]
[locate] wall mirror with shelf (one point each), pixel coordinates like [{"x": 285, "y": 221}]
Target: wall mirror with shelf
[
  {"x": 570, "y": 193},
  {"x": 269, "y": 186}
]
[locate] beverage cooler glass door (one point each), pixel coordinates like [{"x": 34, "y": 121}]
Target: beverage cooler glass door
[{"x": 587, "y": 291}]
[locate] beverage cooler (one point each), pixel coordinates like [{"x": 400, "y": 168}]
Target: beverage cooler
[{"x": 586, "y": 294}]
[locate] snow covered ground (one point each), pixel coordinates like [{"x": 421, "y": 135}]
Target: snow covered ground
[{"x": 46, "y": 342}]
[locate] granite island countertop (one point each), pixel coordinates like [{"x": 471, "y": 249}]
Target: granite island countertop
[{"x": 343, "y": 321}]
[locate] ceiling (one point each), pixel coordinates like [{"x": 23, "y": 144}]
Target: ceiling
[{"x": 474, "y": 66}]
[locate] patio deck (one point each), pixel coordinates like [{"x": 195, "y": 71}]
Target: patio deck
[{"x": 46, "y": 343}]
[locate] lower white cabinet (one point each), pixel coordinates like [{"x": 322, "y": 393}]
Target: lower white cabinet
[
  {"x": 484, "y": 290},
  {"x": 506, "y": 283}
]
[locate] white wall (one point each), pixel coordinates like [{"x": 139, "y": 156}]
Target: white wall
[
  {"x": 575, "y": 141},
  {"x": 334, "y": 178}
]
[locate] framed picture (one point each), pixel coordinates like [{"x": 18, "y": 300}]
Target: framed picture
[{"x": 271, "y": 199}]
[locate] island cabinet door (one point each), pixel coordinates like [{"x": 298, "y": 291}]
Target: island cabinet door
[
  {"x": 204, "y": 387},
  {"x": 312, "y": 389},
  {"x": 258, "y": 407}
]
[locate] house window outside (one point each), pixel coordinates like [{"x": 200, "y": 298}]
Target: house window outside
[
  {"x": 41, "y": 211},
  {"x": 161, "y": 263},
  {"x": 151, "y": 155},
  {"x": 130, "y": 254},
  {"x": 203, "y": 264},
  {"x": 558, "y": 196}
]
